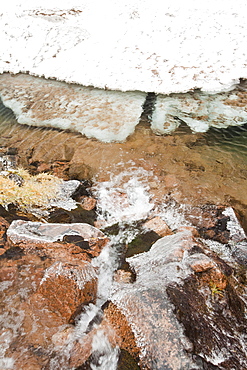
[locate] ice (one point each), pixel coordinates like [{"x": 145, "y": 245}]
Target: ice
[
  {"x": 163, "y": 47},
  {"x": 39, "y": 232}
]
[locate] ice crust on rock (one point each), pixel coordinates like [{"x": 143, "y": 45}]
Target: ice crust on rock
[
  {"x": 163, "y": 47},
  {"x": 37, "y": 232},
  {"x": 146, "y": 306}
]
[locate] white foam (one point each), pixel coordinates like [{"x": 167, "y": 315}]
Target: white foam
[
  {"x": 237, "y": 233},
  {"x": 108, "y": 356},
  {"x": 164, "y": 47},
  {"x": 124, "y": 198}
]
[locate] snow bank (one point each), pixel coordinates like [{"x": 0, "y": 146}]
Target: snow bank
[{"x": 160, "y": 46}]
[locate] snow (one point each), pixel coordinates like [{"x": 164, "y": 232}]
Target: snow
[{"x": 160, "y": 46}]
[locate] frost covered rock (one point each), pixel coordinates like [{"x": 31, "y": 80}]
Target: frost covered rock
[
  {"x": 105, "y": 115},
  {"x": 184, "y": 308},
  {"x": 38, "y": 232},
  {"x": 162, "y": 47}
]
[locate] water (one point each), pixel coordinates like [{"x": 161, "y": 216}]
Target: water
[{"x": 145, "y": 176}]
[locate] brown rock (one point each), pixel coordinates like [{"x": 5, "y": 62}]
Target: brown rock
[
  {"x": 66, "y": 286},
  {"x": 191, "y": 229},
  {"x": 200, "y": 262},
  {"x": 3, "y": 229},
  {"x": 87, "y": 203},
  {"x": 122, "y": 276},
  {"x": 210, "y": 222},
  {"x": 124, "y": 335},
  {"x": 60, "y": 338},
  {"x": 157, "y": 225}
]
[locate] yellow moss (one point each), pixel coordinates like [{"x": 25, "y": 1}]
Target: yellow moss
[
  {"x": 36, "y": 191},
  {"x": 215, "y": 290}
]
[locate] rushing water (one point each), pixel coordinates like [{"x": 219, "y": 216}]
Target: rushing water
[{"x": 146, "y": 175}]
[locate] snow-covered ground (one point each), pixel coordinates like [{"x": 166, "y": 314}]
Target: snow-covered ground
[{"x": 159, "y": 46}]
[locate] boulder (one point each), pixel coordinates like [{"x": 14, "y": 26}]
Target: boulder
[
  {"x": 46, "y": 283},
  {"x": 66, "y": 287},
  {"x": 185, "y": 307},
  {"x": 157, "y": 225},
  {"x": 38, "y": 232}
]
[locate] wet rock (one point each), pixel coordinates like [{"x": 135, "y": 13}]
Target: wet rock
[
  {"x": 124, "y": 333},
  {"x": 141, "y": 243},
  {"x": 127, "y": 362},
  {"x": 60, "y": 338},
  {"x": 239, "y": 252},
  {"x": 38, "y": 232},
  {"x": 44, "y": 286},
  {"x": 122, "y": 276},
  {"x": 200, "y": 262},
  {"x": 4, "y": 225},
  {"x": 144, "y": 303},
  {"x": 157, "y": 225},
  {"x": 79, "y": 279},
  {"x": 180, "y": 280},
  {"x": 215, "y": 330},
  {"x": 87, "y": 203},
  {"x": 12, "y": 253},
  {"x": 210, "y": 221}
]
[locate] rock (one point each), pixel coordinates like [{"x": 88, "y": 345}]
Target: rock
[
  {"x": 185, "y": 308},
  {"x": 61, "y": 338},
  {"x": 158, "y": 226},
  {"x": 38, "y": 232},
  {"x": 4, "y": 225},
  {"x": 87, "y": 203},
  {"x": 44, "y": 288},
  {"x": 210, "y": 221},
  {"x": 122, "y": 276},
  {"x": 200, "y": 262},
  {"x": 124, "y": 334},
  {"x": 144, "y": 303},
  {"x": 78, "y": 279}
]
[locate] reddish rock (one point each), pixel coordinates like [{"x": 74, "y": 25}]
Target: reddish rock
[
  {"x": 157, "y": 225},
  {"x": 122, "y": 276},
  {"x": 200, "y": 262},
  {"x": 87, "y": 203},
  {"x": 4, "y": 225},
  {"x": 66, "y": 286},
  {"x": 124, "y": 336}
]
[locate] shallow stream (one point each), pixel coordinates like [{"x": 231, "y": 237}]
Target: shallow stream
[{"x": 135, "y": 178}]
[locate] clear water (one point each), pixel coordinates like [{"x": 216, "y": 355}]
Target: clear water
[{"x": 134, "y": 180}]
